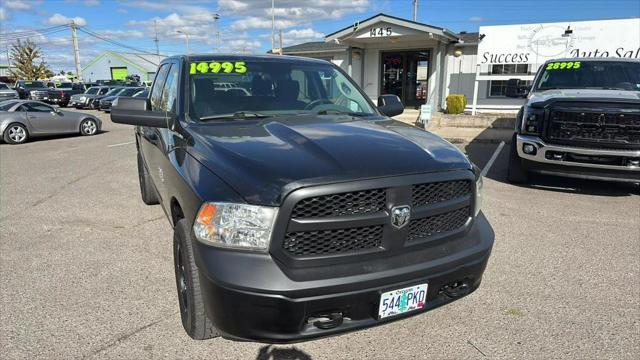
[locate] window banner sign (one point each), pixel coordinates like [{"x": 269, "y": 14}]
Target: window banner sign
[{"x": 537, "y": 43}]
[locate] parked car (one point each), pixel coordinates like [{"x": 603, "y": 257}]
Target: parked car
[
  {"x": 143, "y": 93},
  {"x": 6, "y": 93},
  {"x": 301, "y": 210},
  {"x": 24, "y": 119},
  {"x": 60, "y": 93},
  {"x": 31, "y": 89},
  {"x": 105, "y": 102},
  {"x": 81, "y": 101},
  {"x": 94, "y": 103},
  {"x": 581, "y": 119}
]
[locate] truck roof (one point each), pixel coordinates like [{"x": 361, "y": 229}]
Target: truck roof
[
  {"x": 612, "y": 59},
  {"x": 270, "y": 58}
]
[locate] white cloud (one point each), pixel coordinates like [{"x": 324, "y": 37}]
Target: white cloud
[
  {"x": 3, "y": 14},
  {"x": 122, "y": 10},
  {"x": 476, "y": 19},
  {"x": 59, "y": 19},
  {"x": 91, "y": 2},
  {"x": 233, "y": 5},
  {"x": 242, "y": 45},
  {"x": 288, "y": 13},
  {"x": 18, "y": 5},
  {"x": 253, "y": 22}
]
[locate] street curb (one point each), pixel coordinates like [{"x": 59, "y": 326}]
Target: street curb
[{"x": 476, "y": 141}]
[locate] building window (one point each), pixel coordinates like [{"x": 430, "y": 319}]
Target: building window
[
  {"x": 507, "y": 69},
  {"x": 498, "y": 88}
]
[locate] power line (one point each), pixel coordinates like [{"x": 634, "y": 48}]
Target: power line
[
  {"x": 31, "y": 33},
  {"x": 112, "y": 42}
]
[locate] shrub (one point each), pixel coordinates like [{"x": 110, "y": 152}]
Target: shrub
[{"x": 456, "y": 103}]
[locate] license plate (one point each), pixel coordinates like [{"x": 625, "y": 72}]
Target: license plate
[{"x": 401, "y": 301}]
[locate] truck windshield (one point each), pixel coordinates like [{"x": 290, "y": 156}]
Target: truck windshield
[
  {"x": 618, "y": 75},
  {"x": 33, "y": 84},
  {"x": 220, "y": 89},
  {"x": 92, "y": 90},
  {"x": 3, "y": 86}
]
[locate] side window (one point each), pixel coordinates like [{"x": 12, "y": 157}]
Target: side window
[
  {"x": 35, "y": 107},
  {"x": 103, "y": 91},
  {"x": 168, "y": 102},
  {"x": 158, "y": 83}
]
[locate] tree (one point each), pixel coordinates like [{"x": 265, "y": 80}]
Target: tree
[{"x": 24, "y": 56}]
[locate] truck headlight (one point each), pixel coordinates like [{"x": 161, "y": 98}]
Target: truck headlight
[
  {"x": 83, "y": 98},
  {"x": 479, "y": 185},
  {"x": 532, "y": 119},
  {"x": 235, "y": 225}
]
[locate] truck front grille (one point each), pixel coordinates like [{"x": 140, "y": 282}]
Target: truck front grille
[
  {"x": 351, "y": 203},
  {"x": 39, "y": 94},
  {"x": 431, "y": 193},
  {"x": 604, "y": 129},
  {"x": 434, "y": 225},
  {"x": 333, "y": 241},
  {"x": 318, "y": 224}
]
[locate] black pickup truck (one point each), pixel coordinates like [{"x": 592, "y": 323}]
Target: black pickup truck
[
  {"x": 300, "y": 209},
  {"x": 60, "y": 93},
  {"x": 581, "y": 119}
]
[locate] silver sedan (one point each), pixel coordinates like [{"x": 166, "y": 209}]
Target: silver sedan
[{"x": 22, "y": 119}]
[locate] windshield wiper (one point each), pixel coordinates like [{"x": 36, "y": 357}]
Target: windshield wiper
[
  {"x": 340, "y": 112},
  {"x": 238, "y": 115}
]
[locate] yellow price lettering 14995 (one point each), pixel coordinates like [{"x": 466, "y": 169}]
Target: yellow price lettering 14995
[{"x": 216, "y": 67}]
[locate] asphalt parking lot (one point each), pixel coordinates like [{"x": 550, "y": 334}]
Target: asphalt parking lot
[{"x": 87, "y": 272}]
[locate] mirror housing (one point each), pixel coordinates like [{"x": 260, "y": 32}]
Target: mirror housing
[
  {"x": 516, "y": 88},
  {"x": 390, "y": 105},
  {"x": 137, "y": 111}
]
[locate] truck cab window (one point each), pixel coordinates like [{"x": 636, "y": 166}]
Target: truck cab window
[{"x": 158, "y": 83}]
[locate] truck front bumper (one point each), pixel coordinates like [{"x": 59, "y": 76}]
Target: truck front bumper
[
  {"x": 620, "y": 165},
  {"x": 248, "y": 296}
]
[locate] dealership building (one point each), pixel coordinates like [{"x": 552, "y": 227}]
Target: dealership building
[
  {"x": 422, "y": 63},
  {"x": 112, "y": 65}
]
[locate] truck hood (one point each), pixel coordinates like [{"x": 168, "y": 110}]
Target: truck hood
[
  {"x": 265, "y": 159},
  {"x": 583, "y": 94}
]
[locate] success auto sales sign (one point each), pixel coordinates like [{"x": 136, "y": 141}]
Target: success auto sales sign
[{"x": 536, "y": 43}]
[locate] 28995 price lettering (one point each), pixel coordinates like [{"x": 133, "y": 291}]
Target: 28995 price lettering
[
  {"x": 215, "y": 67},
  {"x": 563, "y": 65}
]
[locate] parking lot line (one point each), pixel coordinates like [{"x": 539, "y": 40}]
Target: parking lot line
[
  {"x": 120, "y": 144},
  {"x": 493, "y": 158}
]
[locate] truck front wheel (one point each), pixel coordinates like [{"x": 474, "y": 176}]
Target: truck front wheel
[
  {"x": 516, "y": 173},
  {"x": 194, "y": 318}
]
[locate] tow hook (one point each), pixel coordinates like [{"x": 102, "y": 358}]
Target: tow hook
[
  {"x": 456, "y": 289},
  {"x": 326, "y": 321}
]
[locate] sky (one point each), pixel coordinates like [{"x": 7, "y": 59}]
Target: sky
[{"x": 245, "y": 25}]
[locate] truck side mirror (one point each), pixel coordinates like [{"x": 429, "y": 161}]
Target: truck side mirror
[
  {"x": 390, "y": 105},
  {"x": 516, "y": 88},
  {"x": 513, "y": 88},
  {"x": 137, "y": 111}
]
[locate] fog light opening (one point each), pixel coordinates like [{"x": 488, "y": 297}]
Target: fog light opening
[
  {"x": 529, "y": 149},
  {"x": 633, "y": 162}
]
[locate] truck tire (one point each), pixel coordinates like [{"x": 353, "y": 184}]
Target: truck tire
[
  {"x": 194, "y": 318},
  {"x": 147, "y": 191},
  {"x": 516, "y": 173}
]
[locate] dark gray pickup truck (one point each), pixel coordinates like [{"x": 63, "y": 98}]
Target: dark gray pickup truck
[{"x": 299, "y": 208}]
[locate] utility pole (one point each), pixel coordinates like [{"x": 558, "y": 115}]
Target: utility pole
[
  {"x": 415, "y": 10},
  {"x": 186, "y": 34},
  {"x": 273, "y": 25},
  {"x": 280, "y": 41},
  {"x": 216, "y": 29},
  {"x": 155, "y": 40},
  {"x": 76, "y": 51}
]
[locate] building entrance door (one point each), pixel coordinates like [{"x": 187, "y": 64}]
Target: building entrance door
[{"x": 406, "y": 73}]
